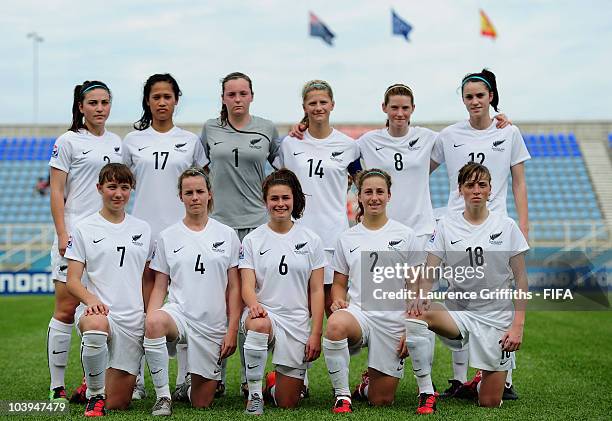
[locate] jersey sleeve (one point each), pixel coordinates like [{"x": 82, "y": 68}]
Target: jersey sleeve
[
  {"x": 159, "y": 262},
  {"x": 200, "y": 158},
  {"x": 75, "y": 250},
  {"x": 339, "y": 263},
  {"x": 235, "y": 250},
  {"x": 204, "y": 142},
  {"x": 414, "y": 256},
  {"x": 245, "y": 260},
  {"x": 275, "y": 145},
  {"x": 279, "y": 161},
  {"x": 61, "y": 157},
  {"x": 126, "y": 154},
  {"x": 318, "y": 254},
  {"x": 436, "y": 243},
  {"x": 519, "y": 149},
  {"x": 518, "y": 243},
  {"x": 437, "y": 152}
]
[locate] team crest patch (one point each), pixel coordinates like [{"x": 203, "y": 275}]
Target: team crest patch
[
  {"x": 497, "y": 145},
  {"x": 393, "y": 244},
  {"x": 413, "y": 144},
  {"x": 55, "y": 151},
  {"x": 336, "y": 156},
  {"x": 493, "y": 238},
  {"x": 216, "y": 246},
  {"x": 69, "y": 245},
  {"x": 241, "y": 254},
  {"x": 254, "y": 143},
  {"x": 179, "y": 146},
  {"x": 135, "y": 239},
  {"x": 299, "y": 248}
]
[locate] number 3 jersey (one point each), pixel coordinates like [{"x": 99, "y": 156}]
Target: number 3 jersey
[
  {"x": 477, "y": 259},
  {"x": 114, "y": 256},
  {"x": 497, "y": 149},
  {"x": 197, "y": 263},
  {"x": 283, "y": 264}
]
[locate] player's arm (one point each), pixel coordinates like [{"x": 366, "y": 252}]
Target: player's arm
[
  {"x": 235, "y": 306},
  {"x": 519, "y": 190},
  {"x": 338, "y": 291},
  {"x": 76, "y": 288},
  {"x": 159, "y": 291},
  {"x": 512, "y": 339},
  {"x": 58, "y": 184},
  {"x": 423, "y": 285},
  {"x": 317, "y": 304},
  {"x": 248, "y": 293}
]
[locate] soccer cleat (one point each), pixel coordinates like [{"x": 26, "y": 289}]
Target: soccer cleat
[
  {"x": 181, "y": 393},
  {"x": 79, "y": 395},
  {"x": 220, "y": 390},
  {"x": 270, "y": 382},
  {"x": 138, "y": 393},
  {"x": 510, "y": 394},
  {"x": 427, "y": 404},
  {"x": 162, "y": 407},
  {"x": 342, "y": 405},
  {"x": 244, "y": 389},
  {"x": 95, "y": 407},
  {"x": 359, "y": 392},
  {"x": 255, "y": 406},
  {"x": 58, "y": 395},
  {"x": 305, "y": 393},
  {"x": 469, "y": 390},
  {"x": 454, "y": 387}
]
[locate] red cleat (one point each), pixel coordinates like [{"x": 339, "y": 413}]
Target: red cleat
[
  {"x": 270, "y": 382},
  {"x": 427, "y": 404},
  {"x": 342, "y": 405},
  {"x": 79, "y": 395},
  {"x": 95, "y": 407},
  {"x": 359, "y": 392},
  {"x": 470, "y": 388}
]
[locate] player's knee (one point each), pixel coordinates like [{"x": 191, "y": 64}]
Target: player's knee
[
  {"x": 489, "y": 401},
  {"x": 99, "y": 323},
  {"x": 155, "y": 325},
  {"x": 336, "y": 328},
  {"x": 381, "y": 400},
  {"x": 287, "y": 401},
  {"x": 118, "y": 402},
  {"x": 259, "y": 325},
  {"x": 202, "y": 402}
]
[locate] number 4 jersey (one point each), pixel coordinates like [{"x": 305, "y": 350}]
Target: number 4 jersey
[{"x": 114, "y": 256}]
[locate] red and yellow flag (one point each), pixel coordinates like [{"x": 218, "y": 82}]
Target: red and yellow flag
[{"x": 486, "y": 26}]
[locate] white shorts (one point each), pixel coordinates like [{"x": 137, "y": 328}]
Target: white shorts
[
  {"x": 328, "y": 277},
  {"x": 59, "y": 265},
  {"x": 125, "y": 350},
  {"x": 484, "y": 349},
  {"x": 203, "y": 351},
  {"x": 381, "y": 343},
  {"x": 287, "y": 349}
]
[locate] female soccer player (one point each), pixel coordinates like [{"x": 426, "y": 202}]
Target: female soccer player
[
  {"x": 492, "y": 246},
  {"x": 503, "y": 151},
  {"x": 112, "y": 247},
  {"x": 352, "y": 325},
  {"x": 195, "y": 251},
  {"x": 158, "y": 152},
  {"x": 76, "y": 160},
  {"x": 322, "y": 161},
  {"x": 281, "y": 266}
]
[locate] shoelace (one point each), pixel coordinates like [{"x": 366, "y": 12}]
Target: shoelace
[{"x": 160, "y": 403}]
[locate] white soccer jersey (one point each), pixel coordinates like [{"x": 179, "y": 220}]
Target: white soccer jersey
[
  {"x": 82, "y": 155},
  {"x": 114, "y": 256},
  {"x": 321, "y": 166},
  {"x": 487, "y": 248},
  {"x": 406, "y": 159},
  {"x": 497, "y": 149},
  {"x": 283, "y": 264},
  {"x": 157, "y": 160},
  {"x": 197, "y": 262},
  {"x": 392, "y": 243}
]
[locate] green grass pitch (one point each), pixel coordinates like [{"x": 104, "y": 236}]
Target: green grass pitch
[{"x": 564, "y": 373}]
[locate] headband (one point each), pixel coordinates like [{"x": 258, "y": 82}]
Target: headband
[
  {"x": 397, "y": 85},
  {"x": 95, "y": 85},
  {"x": 467, "y": 79},
  {"x": 374, "y": 172}
]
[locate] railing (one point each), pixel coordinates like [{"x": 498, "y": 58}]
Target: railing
[{"x": 36, "y": 246}]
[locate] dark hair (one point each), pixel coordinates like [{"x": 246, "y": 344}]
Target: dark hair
[
  {"x": 489, "y": 83},
  {"x": 397, "y": 89},
  {"x": 195, "y": 172},
  {"x": 147, "y": 117},
  {"x": 119, "y": 173},
  {"x": 232, "y": 76},
  {"x": 286, "y": 177},
  {"x": 364, "y": 175},
  {"x": 473, "y": 170},
  {"x": 78, "y": 98},
  {"x": 315, "y": 85}
]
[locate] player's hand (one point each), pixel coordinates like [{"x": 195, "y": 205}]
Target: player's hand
[
  {"x": 512, "y": 339},
  {"x": 313, "y": 348},
  {"x": 337, "y": 305},
  {"x": 402, "y": 349},
  {"x": 417, "y": 307},
  {"x": 62, "y": 243},
  {"x": 298, "y": 130},
  {"x": 256, "y": 311},
  {"x": 228, "y": 347},
  {"x": 502, "y": 121},
  {"x": 96, "y": 307}
]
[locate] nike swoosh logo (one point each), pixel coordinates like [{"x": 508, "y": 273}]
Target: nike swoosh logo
[
  {"x": 86, "y": 152},
  {"x": 456, "y": 146},
  {"x": 415, "y": 370},
  {"x": 97, "y": 241},
  {"x": 216, "y": 143},
  {"x": 297, "y": 153},
  {"x": 352, "y": 250},
  {"x": 155, "y": 372},
  {"x": 95, "y": 375},
  {"x": 216, "y": 371},
  {"x": 140, "y": 149},
  {"x": 382, "y": 147},
  {"x": 252, "y": 367},
  {"x": 333, "y": 372},
  {"x": 456, "y": 241},
  {"x": 261, "y": 253},
  {"x": 179, "y": 249},
  {"x": 58, "y": 352}
]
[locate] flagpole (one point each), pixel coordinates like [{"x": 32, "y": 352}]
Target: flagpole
[{"x": 36, "y": 39}]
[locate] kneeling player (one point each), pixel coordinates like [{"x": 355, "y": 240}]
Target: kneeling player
[
  {"x": 351, "y": 326},
  {"x": 281, "y": 264},
  {"x": 491, "y": 245},
  {"x": 112, "y": 247},
  {"x": 200, "y": 255}
]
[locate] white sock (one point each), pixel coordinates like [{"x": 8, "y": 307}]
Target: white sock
[
  {"x": 255, "y": 356},
  {"x": 223, "y": 370},
  {"x": 95, "y": 361},
  {"x": 509, "y": 378},
  {"x": 337, "y": 358},
  {"x": 59, "y": 336},
  {"x": 140, "y": 383},
  {"x": 241, "y": 340},
  {"x": 157, "y": 359},
  {"x": 460, "y": 364},
  {"x": 181, "y": 360},
  {"x": 306, "y": 379},
  {"x": 432, "y": 344},
  {"x": 419, "y": 344}
]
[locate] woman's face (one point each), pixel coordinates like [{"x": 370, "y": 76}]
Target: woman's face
[
  {"x": 279, "y": 202},
  {"x": 477, "y": 98},
  {"x": 475, "y": 192},
  {"x": 237, "y": 97},
  {"x": 162, "y": 101},
  {"x": 399, "y": 109},
  {"x": 374, "y": 196},
  {"x": 195, "y": 195},
  {"x": 96, "y": 107},
  {"x": 115, "y": 196},
  {"x": 318, "y": 105}
]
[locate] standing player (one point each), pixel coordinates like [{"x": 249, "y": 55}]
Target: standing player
[
  {"x": 503, "y": 151},
  {"x": 238, "y": 145},
  {"x": 281, "y": 267},
  {"x": 112, "y": 247},
  {"x": 492, "y": 245},
  {"x": 194, "y": 252},
  {"x": 76, "y": 160},
  {"x": 352, "y": 326},
  {"x": 158, "y": 152}
]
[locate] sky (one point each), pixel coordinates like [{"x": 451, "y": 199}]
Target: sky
[{"x": 552, "y": 58}]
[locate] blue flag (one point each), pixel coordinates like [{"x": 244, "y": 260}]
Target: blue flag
[
  {"x": 319, "y": 29},
  {"x": 400, "y": 26}
]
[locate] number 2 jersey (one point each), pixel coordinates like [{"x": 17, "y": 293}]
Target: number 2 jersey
[
  {"x": 487, "y": 247},
  {"x": 157, "y": 160},
  {"x": 114, "y": 256},
  {"x": 197, "y": 262},
  {"x": 283, "y": 264},
  {"x": 497, "y": 149}
]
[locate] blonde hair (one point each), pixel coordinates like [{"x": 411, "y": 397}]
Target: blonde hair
[{"x": 315, "y": 85}]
